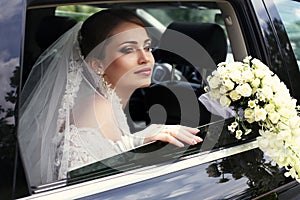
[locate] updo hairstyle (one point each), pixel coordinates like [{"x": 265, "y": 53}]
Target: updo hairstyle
[{"x": 98, "y": 27}]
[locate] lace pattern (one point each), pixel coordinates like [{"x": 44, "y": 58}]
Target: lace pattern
[
  {"x": 77, "y": 147},
  {"x": 84, "y": 149},
  {"x": 64, "y": 130}
]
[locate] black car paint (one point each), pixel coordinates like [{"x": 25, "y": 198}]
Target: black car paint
[
  {"x": 267, "y": 40},
  {"x": 11, "y": 32},
  {"x": 241, "y": 176},
  {"x": 280, "y": 54}
]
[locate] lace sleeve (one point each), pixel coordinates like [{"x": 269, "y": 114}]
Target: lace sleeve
[{"x": 84, "y": 146}]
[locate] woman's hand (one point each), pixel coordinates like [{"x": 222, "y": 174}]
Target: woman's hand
[{"x": 174, "y": 134}]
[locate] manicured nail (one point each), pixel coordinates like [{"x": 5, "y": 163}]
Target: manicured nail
[
  {"x": 199, "y": 139},
  {"x": 196, "y": 130},
  {"x": 194, "y": 141}
]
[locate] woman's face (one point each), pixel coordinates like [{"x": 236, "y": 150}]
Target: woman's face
[{"x": 128, "y": 60}]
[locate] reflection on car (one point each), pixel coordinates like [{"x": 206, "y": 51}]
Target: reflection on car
[{"x": 221, "y": 167}]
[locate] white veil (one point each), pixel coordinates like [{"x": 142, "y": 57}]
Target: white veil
[
  {"x": 40, "y": 101},
  {"x": 51, "y": 102}
]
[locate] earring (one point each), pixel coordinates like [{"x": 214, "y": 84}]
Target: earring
[
  {"x": 103, "y": 85},
  {"x": 98, "y": 72},
  {"x": 104, "y": 82}
]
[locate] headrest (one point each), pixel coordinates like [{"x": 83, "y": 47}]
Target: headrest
[
  {"x": 51, "y": 28},
  {"x": 210, "y": 36}
]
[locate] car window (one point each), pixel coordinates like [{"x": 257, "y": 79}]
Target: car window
[
  {"x": 200, "y": 14},
  {"x": 166, "y": 16},
  {"x": 178, "y": 78},
  {"x": 77, "y": 12},
  {"x": 290, "y": 14}
]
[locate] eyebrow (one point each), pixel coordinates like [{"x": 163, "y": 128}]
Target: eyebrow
[{"x": 135, "y": 42}]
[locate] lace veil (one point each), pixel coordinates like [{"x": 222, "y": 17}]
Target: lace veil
[{"x": 56, "y": 93}]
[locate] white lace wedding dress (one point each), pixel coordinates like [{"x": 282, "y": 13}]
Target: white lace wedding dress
[
  {"x": 80, "y": 146},
  {"x": 51, "y": 141}
]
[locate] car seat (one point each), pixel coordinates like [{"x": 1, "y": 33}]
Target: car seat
[
  {"x": 41, "y": 35},
  {"x": 51, "y": 28},
  {"x": 194, "y": 49}
]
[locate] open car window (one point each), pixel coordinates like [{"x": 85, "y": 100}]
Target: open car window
[{"x": 177, "y": 83}]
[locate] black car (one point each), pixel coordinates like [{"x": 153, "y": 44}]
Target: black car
[{"x": 222, "y": 167}]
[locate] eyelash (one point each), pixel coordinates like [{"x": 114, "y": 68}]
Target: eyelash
[
  {"x": 149, "y": 48},
  {"x": 127, "y": 50}
]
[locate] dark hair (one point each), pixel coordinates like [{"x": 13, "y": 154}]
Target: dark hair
[{"x": 98, "y": 27}]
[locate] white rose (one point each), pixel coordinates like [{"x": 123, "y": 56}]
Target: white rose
[
  {"x": 208, "y": 78},
  {"x": 275, "y": 83},
  {"x": 279, "y": 100},
  {"x": 260, "y": 114},
  {"x": 259, "y": 65},
  {"x": 282, "y": 126},
  {"x": 267, "y": 80},
  {"x": 235, "y": 66},
  {"x": 249, "y": 115},
  {"x": 255, "y": 82},
  {"x": 260, "y": 73},
  {"x": 245, "y": 90},
  {"x": 296, "y": 133},
  {"x": 222, "y": 64},
  {"x": 247, "y": 75},
  {"x": 282, "y": 89},
  {"x": 283, "y": 135},
  {"x": 284, "y": 112},
  {"x": 215, "y": 73},
  {"x": 274, "y": 117},
  {"x": 228, "y": 84},
  {"x": 214, "y": 94},
  {"x": 214, "y": 82},
  {"x": 295, "y": 122},
  {"x": 234, "y": 95},
  {"x": 263, "y": 142},
  {"x": 275, "y": 87},
  {"x": 225, "y": 101},
  {"x": 267, "y": 92},
  {"x": 291, "y": 104},
  {"x": 223, "y": 89},
  {"x": 235, "y": 76},
  {"x": 222, "y": 70},
  {"x": 269, "y": 108},
  {"x": 247, "y": 59}
]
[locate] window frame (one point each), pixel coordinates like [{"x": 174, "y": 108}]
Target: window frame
[{"x": 61, "y": 187}]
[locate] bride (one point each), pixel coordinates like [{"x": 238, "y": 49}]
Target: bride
[{"x": 72, "y": 104}]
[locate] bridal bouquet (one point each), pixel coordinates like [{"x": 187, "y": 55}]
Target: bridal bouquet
[{"x": 257, "y": 95}]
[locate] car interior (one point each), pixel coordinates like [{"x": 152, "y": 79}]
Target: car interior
[{"x": 177, "y": 81}]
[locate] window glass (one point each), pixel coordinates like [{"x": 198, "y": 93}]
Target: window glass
[
  {"x": 77, "y": 12},
  {"x": 176, "y": 84},
  {"x": 290, "y": 15},
  {"x": 166, "y": 16},
  {"x": 200, "y": 14}
]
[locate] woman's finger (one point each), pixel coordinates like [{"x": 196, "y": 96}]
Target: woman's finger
[
  {"x": 191, "y": 130},
  {"x": 182, "y": 133},
  {"x": 187, "y": 137},
  {"x": 170, "y": 139}
]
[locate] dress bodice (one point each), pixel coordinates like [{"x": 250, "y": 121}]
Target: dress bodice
[{"x": 86, "y": 146}]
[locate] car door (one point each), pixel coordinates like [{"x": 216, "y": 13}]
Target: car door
[
  {"x": 11, "y": 34},
  {"x": 222, "y": 167}
]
